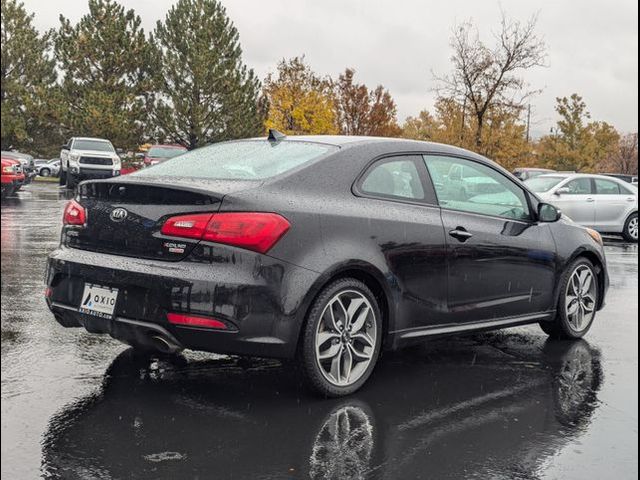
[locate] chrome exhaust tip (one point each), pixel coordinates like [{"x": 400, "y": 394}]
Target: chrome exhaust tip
[{"x": 165, "y": 345}]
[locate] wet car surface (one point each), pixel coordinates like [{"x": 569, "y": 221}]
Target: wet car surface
[{"x": 510, "y": 404}]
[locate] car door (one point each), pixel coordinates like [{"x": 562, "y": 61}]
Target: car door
[
  {"x": 612, "y": 205},
  {"x": 408, "y": 231},
  {"x": 501, "y": 263},
  {"x": 576, "y": 199}
]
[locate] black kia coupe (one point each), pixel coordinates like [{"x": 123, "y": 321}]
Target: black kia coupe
[{"x": 325, "y": 249}]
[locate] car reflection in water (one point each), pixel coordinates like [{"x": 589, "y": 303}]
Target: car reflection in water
[{"x": 487, "y": 406}]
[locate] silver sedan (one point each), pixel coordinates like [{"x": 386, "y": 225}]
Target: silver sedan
[{"x": 603, "y": 203}]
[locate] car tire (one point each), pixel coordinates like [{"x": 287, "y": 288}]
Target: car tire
[
  {"x": 44, "y": 172},
  {"x": 577, "y": 302},
  {"x": 630, "y": 232},
  {"x": 342, "y": 337}
]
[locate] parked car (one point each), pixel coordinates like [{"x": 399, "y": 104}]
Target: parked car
[
  {"x": 527, "y": 173},
  {"x": 12, "y": 176},
  {"x": 48, "y": 168},
  {"x": 319, "y": 248},
  {"x": 633, "y": 179},
  {"x": 26, "y": 161},
  {"x": 159, "y": 153},
  {"x": 84, "y": 158},
  {"x": 606, "y": 204}
]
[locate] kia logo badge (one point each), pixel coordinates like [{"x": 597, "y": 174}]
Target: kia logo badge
[{"x": 119, "y": 214}]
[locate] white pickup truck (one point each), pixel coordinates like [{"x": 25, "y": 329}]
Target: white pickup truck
[{"x": 84, "y": 158}]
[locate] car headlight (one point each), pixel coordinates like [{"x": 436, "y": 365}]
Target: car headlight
[
  {"x": 596, "y": 236},
  {"x": 74, "y": 157}
]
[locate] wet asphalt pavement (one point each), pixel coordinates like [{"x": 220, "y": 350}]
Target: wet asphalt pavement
[{"x": 503, "y": 405}]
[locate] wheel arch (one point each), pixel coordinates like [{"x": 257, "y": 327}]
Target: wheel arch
[
  {"x": 368, "y": 274},
  {"x": 599, "y": 265}
]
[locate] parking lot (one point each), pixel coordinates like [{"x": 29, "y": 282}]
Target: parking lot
[{"x": 501, "y": 405}]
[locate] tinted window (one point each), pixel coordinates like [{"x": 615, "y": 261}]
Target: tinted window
[
  {"x": 397, "y": 177},
  {"x": 97, "y": 145},
  {"x": 544, "y": 183},
  {"x": 579, "y": 186},
  {"x": 472, "y": 187},
  {"x": 249, "y": 159},
  {"x": 607, "y": 187}
]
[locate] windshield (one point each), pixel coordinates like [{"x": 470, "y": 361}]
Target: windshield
[
  {"x": 543, "y": 183},
  {"x": 96, "y": 145},
  {"x": 249, "y": 159},
  {"x": 165, "y": 152}
]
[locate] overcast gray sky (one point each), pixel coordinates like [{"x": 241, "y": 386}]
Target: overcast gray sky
[{"x": 592, "y": 44}]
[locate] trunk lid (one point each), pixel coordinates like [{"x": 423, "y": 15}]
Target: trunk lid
[{"x": 125, "y": 215}]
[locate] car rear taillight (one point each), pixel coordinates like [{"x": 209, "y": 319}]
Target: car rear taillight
[
  {"x": 74, "y": 214},
  {"x": 255, "y": 231},
  {"x": 193, "y": 321}
]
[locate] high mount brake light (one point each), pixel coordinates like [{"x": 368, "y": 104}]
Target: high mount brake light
[
  {"x": 257, "y": 231},
  {"x": 74, "y": 214}
]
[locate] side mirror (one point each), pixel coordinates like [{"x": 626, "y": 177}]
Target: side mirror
[
  {"x": 64, "y": 147},
  {"x": 562, "y": 191},
  {"x": 547, "y": 213}
]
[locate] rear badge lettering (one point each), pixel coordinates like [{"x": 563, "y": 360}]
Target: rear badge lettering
[{"x": 173, "y": 247}]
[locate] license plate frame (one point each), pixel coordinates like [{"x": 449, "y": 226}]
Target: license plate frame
[{"x": 99, "y": 301}]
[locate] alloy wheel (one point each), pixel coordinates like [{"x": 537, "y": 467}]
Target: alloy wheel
[
  {"x": 346, "y": 338},
  {"x": 632, "y": 228},
  {"x": 581, "y": 298}
]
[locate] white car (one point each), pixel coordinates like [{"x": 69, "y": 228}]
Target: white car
[
  {"x": 84, "y": 158},
  {"x": 606, "y": 204}
]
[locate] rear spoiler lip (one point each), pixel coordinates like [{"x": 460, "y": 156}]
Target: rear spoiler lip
[{"x": 189, "y": 184}]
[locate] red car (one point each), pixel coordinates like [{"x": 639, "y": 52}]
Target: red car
[
  {"x": 160, "y": 153},
  {"x": 12, "y": 176}
]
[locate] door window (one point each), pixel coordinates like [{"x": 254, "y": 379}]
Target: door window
[
  {"x": 472, "y": 187},
  {"x": 607, "y": 187},
  {"x": 395, "y": 177},
  {"x": 579, "y": 186}
]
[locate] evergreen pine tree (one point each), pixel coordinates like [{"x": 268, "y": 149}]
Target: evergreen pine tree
[{"x": 204, "y": 93}]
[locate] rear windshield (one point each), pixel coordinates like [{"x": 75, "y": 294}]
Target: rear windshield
[
  {"x": 165, "y": 152},
  {"x": 543, "y": 183},
  {"x": 243, "y": 160},
  {"x": 96, "y": 145}
]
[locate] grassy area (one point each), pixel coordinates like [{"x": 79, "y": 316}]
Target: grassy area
[{"x": 46, "y": 179}]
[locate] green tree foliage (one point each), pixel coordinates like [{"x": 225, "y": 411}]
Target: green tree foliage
[
  {"x": 299, "y": 101},
  {"x": 576, "y": 143},
  {"x": 204, "y": 91},
  {"x": 28, "y": 80},
  {"x": 105, "y": 59}
]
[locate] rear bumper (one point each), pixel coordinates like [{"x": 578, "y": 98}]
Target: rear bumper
[{"x": 260, "y": 298}]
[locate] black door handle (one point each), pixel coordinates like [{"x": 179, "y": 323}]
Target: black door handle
[{"x": 460, "y": 234}]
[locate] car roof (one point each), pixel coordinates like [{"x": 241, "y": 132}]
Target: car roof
[
  {"x": 393, "y": 143},
  {"x": 582, "y": 175},
  {"x": 92, "y": 138}
]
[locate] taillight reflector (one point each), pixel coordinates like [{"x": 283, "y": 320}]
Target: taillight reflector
[
  {"x": 257, "y": 231},
  {"x": 74, "y": 214},
  {"x": 191, "y": 321}
]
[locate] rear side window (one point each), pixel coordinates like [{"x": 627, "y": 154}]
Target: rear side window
[
  {"x": 243, "y": 160},
  {"x": 607, "y": 187},
  {"x": 396, "y": 177}
]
